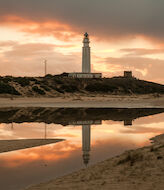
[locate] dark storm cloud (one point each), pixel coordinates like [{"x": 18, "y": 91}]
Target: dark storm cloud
[{"x": 105, "y": 18}]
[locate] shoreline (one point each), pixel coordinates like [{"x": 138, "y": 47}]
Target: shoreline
[
  {"x": 19, "y": 144},
  {"x": 97, "y": 101},
  {"x": 134, "y": 169}
]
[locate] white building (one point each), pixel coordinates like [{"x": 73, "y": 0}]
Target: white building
[
  {"x": 85, "y": 75},
  {"x": 86, "y": 62}
]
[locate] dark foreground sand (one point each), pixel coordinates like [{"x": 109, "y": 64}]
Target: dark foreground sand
[
  {"x": 136, "y": 169},
  {"x": 11, "y": 145},
  {"x": 89, "y": 101}
]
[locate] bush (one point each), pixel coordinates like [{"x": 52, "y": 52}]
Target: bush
[
  {"x": 58, "y": 80},
  {"x": 7, "y": 79},
  {"x": 23, "y": 81},
  {"x": 49, "y": 76},
  {"x": 100, "y": 87},
  {"x": 69, "y": 88},
  {"x": 38, "y": 82},
  {"x": 131, "y": 157},
  {"x": 38, "y": 90},
  {"x": 59, "y": 90},
  {"x": 7, "y": 89},
  {"x": 45, "y": 87}
]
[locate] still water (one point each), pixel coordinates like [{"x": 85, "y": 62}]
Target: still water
[{"x": 88, "y": 139}]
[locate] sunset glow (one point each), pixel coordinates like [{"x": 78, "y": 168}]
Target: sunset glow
[{"x": 117, "y": 43}]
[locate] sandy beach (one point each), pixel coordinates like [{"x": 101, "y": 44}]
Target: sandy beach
[
  {"x": 135, "y": 169},
  {"x": 11, "y": 145},
  {"x": 94, "y": 101}
]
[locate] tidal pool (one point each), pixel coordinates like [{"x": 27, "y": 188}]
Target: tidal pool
[{"x": 87, "y": 140}]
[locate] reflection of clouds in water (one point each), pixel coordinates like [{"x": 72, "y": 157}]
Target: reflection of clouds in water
[
  {"x": 29, "y": 130},
  {"x": 5, "y": 133},
  {"x": 136, "y": 134},
  {"x": 73, "y": 133},
  {"x": 110, "y": 133},
  {"x": 105, "y": 141},
  {"x": 152, "y": 119},
  {"x": 149, "y": 129},
  {"x": 50, "y": 153}
]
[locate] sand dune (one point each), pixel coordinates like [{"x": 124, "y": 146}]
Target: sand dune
[{"x": 135, "y": 169}]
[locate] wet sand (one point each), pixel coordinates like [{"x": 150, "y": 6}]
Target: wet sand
[
  {"x": 11, "y": 145},
  {"x": 135, "y": 169},
  {"x": 92, "y": 101}
]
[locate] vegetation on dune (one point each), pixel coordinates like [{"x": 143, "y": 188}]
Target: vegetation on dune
[
  {"x": 38, "y": 90},
  {"x": 7, "y": 89},
  {"x": 51, "y": 85},
  {"x": 69, "y": 88},
  {"x": 23, "y": 81},
  {"x": 46, "y": 88},
  {"x": 125, "y": 86}
]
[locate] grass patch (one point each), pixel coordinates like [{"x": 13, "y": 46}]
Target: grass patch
[{"x": 131, "y": 157}]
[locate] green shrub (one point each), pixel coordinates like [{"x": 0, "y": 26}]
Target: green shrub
[
  {"x": 45, "y": 87},
  {"x": 131, "y": 157},
  {"x": 58, "y": 80},
  {"x": 38, "y": 90},
  {"x": 69, "y": 88},
  {"x": 32, "y": 79},
  {"x": 23, "y": 81},
  {"x": 38, "y": 82},
  {"x": 7, "y": 79},
  {"x": 49, "y": 76},
  {"x": 59, "y": 90},
  {"x": 100, "y": 87},
  {"x": 7, "y": 89}
]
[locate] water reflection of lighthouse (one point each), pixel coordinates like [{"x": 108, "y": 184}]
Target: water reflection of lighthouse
[
  {"x": 86, "y": 143},
  {"x": 86, "y": 136}
]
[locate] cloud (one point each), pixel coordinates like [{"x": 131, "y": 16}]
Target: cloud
[
  {"x": 8, "y": 43},
  {"x": 103, "y": 19},
  {"x": 27, "y": 60},
  {"x": 141, "y": 51},
  {"x": 143, "y": 68},
  {"x": 143, "y": 130},
  {"x": 47, "y": 27}
]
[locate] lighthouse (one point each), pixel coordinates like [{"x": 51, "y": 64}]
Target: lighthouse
[
  {"x": 86, "y": 62},
  {"x": 86, "y": 59}
]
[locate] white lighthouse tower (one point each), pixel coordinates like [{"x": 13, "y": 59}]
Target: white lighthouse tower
[
  {"x": 86, "y": 59},
  {"x": 86, "y": 62}
]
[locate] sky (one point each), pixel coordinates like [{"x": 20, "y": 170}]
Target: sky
[{"x": 124, "y": 35}]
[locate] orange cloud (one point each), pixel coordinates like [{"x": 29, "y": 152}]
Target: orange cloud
[
  {"x": 27, "y": 60},
  {"x": 61, "y": 31},
  {"x": 141, "y": 51},
  {"x": 47, "y": 153}
]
